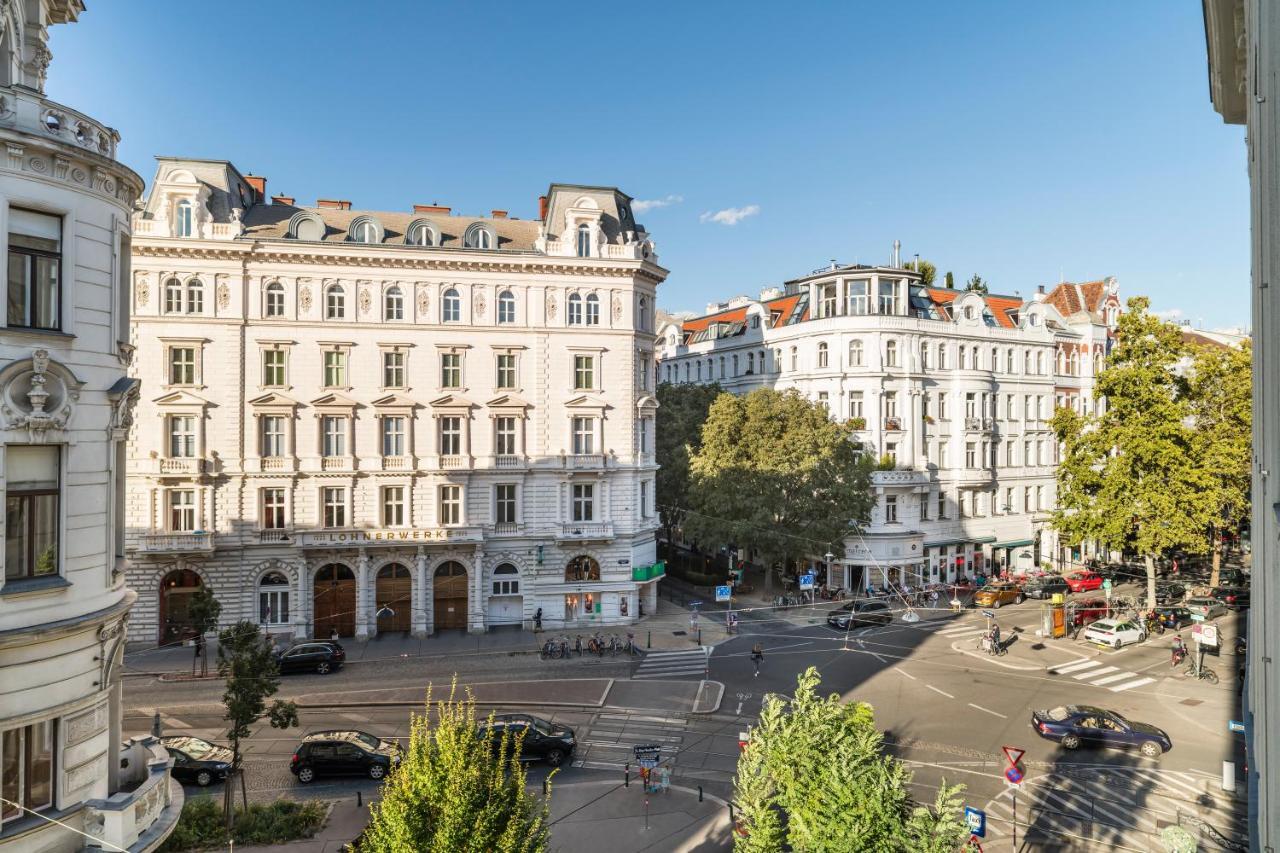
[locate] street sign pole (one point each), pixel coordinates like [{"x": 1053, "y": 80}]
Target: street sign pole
[{"x": 1014, "y": 807}]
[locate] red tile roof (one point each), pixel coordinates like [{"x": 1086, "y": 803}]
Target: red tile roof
[
  {"x": 1070, "y": 298},
  {"x": 1000, "y": 306}
]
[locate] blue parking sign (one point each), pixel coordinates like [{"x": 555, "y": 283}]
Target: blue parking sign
[
  {"x": 806, "y": 581},
  {"x": 723, "y": 593},
  {"x": 976, "y": 819}
]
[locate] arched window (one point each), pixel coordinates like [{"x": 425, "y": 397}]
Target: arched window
[
  {"x": 273, "y": 599},
  {"x": 307, "y": 226},
  {"x": 699, "y": 366},
  {"x": 643, "y": 320},
  {"x": 1009, "y": 365},
  {"x": 735, "y": 364},
  {"x": 575, "y": 310},
  {"x": 1062, "y": 361},
  {"x": 478, "y": 236},
  {"x": 751, "y": 363},
  {"x": 995, "y": 360},
  {"x": 393, "y": 304},
  {"x": 506, "y": 307},
  {"x": 365, "y": 232},
  {"x": 582, "y": 568},
  {"x": 421, "y": 234},
  {"x": 891, "y": 354},
  {"x": 183, "y": 224},
  {"x": 173, "y": 296},
  {"x": 924, "y": 355},
  {"x": 195, "y": 296},
  {"x": 722, "y": 367},
  {"x": 506, "y": 580},
  {"x": 451, "y": 307},
  {"x": 593, "y": 310},
  {"x": 274, "y": 306},
  {"x": 686, "y": 372},
  {"x": 335, "y": 303},
  {"x": 777, "y": 361},
  {"x": 584, "y": 241},
  {"x": 1075, "y": 364},
  {"x": 822, "y": 355}
]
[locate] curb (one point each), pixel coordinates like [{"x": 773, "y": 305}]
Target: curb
[
  {"x": 715, "y": 706},
  {"x": 600, "y": 703},
  {"x": 990, "y": 659}
]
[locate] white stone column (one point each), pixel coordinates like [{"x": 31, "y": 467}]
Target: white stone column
[
  {"x": 301, "y": 604},
  {"x": 475, "y": 599},
  {"x": 418, "y": 624},
  {"x": 911, "y": 423},
  {"x": 364, "y": 596}
]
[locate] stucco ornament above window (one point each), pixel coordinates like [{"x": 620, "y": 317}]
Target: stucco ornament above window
[{"x": 38, "y": 395}]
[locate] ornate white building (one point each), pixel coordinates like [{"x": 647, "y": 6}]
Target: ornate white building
[
  {"x": 362, "y": 421},
  {"x": 67, "y": 782},
  {"x": 951, "y": 389}
]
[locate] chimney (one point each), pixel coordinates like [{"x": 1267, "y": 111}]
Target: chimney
[
  {"x": 333, "y": 204},
  {"x": 1040, "y": 289},
  {"x": 499, "y": 214},
  {"x": 897, "y": 255},
  {"x": 542, "y": 208},
  {"x": 431, "y": 208},
  {"x": 259, "y": 185},
  {"x": 286, "y": 200},
  {"x": 833, "y": 264}
]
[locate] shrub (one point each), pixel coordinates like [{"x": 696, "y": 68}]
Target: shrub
[{"x": 202, "y": 825}]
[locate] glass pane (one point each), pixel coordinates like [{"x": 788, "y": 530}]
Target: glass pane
[
  {"x": 45, "y": 534},
  {"x": 45, "y": 298},
  {"x": 28, "y": 467},
  {"x": 17, "y": 301},
  {"x": 10, "y": 772},
  {"x": 15, "y": 537},
  {"x": 40, "y": 765}
]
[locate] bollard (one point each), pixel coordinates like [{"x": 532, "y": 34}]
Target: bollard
[
  {"x": 699, "y": 636},
  {"x": 626, "y": 775},
  {"x": 699, "y": 793},
  {"x": 648, "y": 643},
  {"x": 359, "y": 799}
]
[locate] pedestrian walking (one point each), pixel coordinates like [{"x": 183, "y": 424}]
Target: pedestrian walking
[
  {"x": 537, "y": 620},
  {"x": 333, "y": 634},
  {"x": 757, "y": 657},
  {"x": 664, "y": 778}
]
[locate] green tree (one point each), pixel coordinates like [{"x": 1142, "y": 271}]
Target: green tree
[
  {"x": 820, "y": 762},
  {"x": 1129, "y": 477},
  {"x": 203, "y": 610},
  {"x": 977, "y": 284},
  {"x": 458, "y": 790},
  {"x": 1220, "y": 387},
  {"x": 950, "y": 281},
  {"x": 776, "y": 475},
  {"x": 928, "y": 272},
  {"x": 682, "y": 410},
  {"x": 246, "y": 659}
]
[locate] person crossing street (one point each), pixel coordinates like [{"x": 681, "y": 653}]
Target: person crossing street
[{"x": 757, "y": 657}]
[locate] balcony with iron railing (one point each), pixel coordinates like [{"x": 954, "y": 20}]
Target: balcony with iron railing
[
  {"x": 585, "y": 530},
  {"x": 194, "y": 542}
]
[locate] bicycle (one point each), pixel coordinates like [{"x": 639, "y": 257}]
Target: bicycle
[
  {"x": 555, "y": 647},
  {"x": 1202, "y": 673},
  {"x": 985, "y": 644}
]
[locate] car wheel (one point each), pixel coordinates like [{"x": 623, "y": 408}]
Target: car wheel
[
  {"x": 1151, "y": 749},
  {"x": 1020, "y": 599},
  {"x": 204, "y": 778},
  {"x": 997, "y": 604},
  {"x": 1070, "y": 742},
  {"x": 323, "y": 667},
  {"x": 1142, "y": 638},
  {"x": 306, "y": 774},
  {"x": 555, "y": 757},
  {"x": 377, "y": 771},
  {"x": 1117, "y": 644}
]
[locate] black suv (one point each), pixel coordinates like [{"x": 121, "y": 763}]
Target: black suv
[
  {"x": 318, "y": 656},
  {"x": 856, "y": 614},
  {"x": 344, "y": 753},
  {"x": 1045, "y": 586},
  {"x": 196, "y": 760},
  {"x": 543, "y": 740}
]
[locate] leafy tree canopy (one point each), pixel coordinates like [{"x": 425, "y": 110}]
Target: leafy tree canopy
[
  {"x": 682, "y": 410},
  {"x": 950, "y": 281},
  {"x": 977, "y": 285},
  {"x": 928, "y": 272}
]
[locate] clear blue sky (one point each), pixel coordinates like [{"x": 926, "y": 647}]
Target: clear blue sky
[{"x": 1023, "y": 141}]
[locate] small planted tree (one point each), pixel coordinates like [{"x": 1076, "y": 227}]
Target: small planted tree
[
  {"x": 246, "y": 659},
  {"x": 203, "y": 611},
  {"x": 457, "y": 789},
  {"x": 977, "y": 285}
]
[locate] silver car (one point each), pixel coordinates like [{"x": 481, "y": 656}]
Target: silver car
[{"x": 1205, "y": 607}]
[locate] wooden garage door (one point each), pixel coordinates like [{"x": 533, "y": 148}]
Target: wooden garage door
[
  {"x": 450, "y": 596},
  {"x": 394, "y": 589},
  {"x": 334, "y": 601}
]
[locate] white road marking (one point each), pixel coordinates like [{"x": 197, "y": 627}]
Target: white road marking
[
  {"x": 904, "y": 672},
  {"x": 1092, "y": 672},
  {"x": 943, "y": 692},
  {"x": 1072, "y": 667},
  {"x": 988, "y": 710},
  {"x": 1129, "y": 685},
  {"x": 1110, "y": 678}
]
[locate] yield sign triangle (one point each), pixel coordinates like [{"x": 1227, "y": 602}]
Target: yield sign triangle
[{"x": 1013, "y": 754}]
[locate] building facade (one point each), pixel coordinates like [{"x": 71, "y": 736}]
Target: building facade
[
  {"x": 67, "y": 781},
  {"x": 952, "y": 390},
  {"x": 358, "y": 421}
]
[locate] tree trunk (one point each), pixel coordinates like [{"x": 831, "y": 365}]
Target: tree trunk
[
  {"x": 244, "y": 795},
  {"x": 227, "y": 810},
  {"x": 1215, "y": 576},
  {"x": 1151, "y": 581}
]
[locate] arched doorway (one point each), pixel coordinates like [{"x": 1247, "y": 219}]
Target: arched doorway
[
  {"x": 334, "y": 601},
  {"x": 506, "y": 604},
  {"x": 393, "y": 598},
  {"x": 176, "y": 589},
  {"x": 449, "y": 594}
]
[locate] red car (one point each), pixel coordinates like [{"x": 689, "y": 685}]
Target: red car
[
  {"x": 1084, "y": 581},
  {"x": 1088, "y": 610}
]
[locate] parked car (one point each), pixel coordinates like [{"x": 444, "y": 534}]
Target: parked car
[
  {"x": 1173, "y": 616},
  {"x": 1074, "y": 726},
  {"x": 1084, "y": 581},
  {"x": 1205, "y": 607},
  {"x": 196, "y": 760},
  {"x": 344, "y": 753},
  {"x": 1088, "y": 610},
  {"x": 1119, "y": 573},
  {"x": 1045, "y": 586},
  {"x": 322, "y": 657},
  {"x": 1170, "y": 592},
  {"x": 1114, "y": 632},
  {"x": 1235, "y": 598},
  {"x": 998, "y": 594},
  {"x": 857, "y": 614},
  {"x": 543, "y": 740}
]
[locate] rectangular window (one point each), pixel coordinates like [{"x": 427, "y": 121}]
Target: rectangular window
[
  {"x": 451, "y": 436},
  {"x": 942, "y": 505},
  {"x": 888, "y": 296},
  {"x": 393, "y": 431},
  {"x": 1009, "y": 454},
  {"x": 924, "y": 507},
  {"x": 393, "y": 506},
  {"x": 450, "y": 505},
  {"x": 504, "y": 503},
  {"x": 890, "y": 404},
  {"x": 26, "y": 769},
  {"x": 182, "y": 436},
  {"x": 182, "y": 366},
  {"x": 643, "y": 425},
  {"x": 942, "y": 406},
  {"x": 644, "y": 496},
  {"x": 1039, "y": 498},
  {"x": 970, "y": 405},
  {"x": 891, "y": 451},
  {"x": 451, "y": 370},
  {"x": 855, "y": 404},
  {"x": 964, "y": 358},
  {"x": 504, "y": 436},
  {"x": 392, "y": 369},
  {"x": 1040, "y": 456},
  {"x": 272, "y": 435},
  {"x": 943, "y": 454},
  {"x": 584, "y": 372},
  {"x": 32, "y": 490},
  {"x": 1009, "y": 407},
  {"x": 584, "y": 435},
  {"x": 35, "y": 258},
  {"x": 584, "y": 501},
  {"x": 1027, "y": 411},
  {"x": 335, "y": 369},
  {"x": 891, "y": 509},
  {"x": 828, "y": 303},
  {"x": 333, "y": 432},
  {"x": 333, "y": 500},
  {"x": 1040, "y": 412},
  {"x": 1027, "y": 453},
  {"x": 1008, "y": 501},
  {"x": 182, "y": 510},
  {"x": 506, "y": 379},
  {"x": 824, "y": 401},
  {"x": 273, "y": 513},
  {"x": 273, "y": 604},
  {"x": 970, "y": 455},
  {"x": 1026, "y": 499},
  {"x": 858, "y": 291},
  {"x": 273, "y": 368}
]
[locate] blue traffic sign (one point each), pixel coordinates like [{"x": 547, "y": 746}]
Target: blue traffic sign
[
  {"x": 806, "y": 581},
  {"x": 1014, "y": 775},
  {"x": 976, "y": 820},
  {"x": 724, "y": 593}
]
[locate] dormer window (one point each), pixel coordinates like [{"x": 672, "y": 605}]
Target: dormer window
[
  {"x": 421, "y": 234},
  {"x": 306, "y": 226},
  {"x": 451, "y": 307},
  {"x": 335, "y": 303},
  {"x": 183, "y": 219},
  {"x": 584, "y": 240},
  {"x": 479, "y": 236},
  {"x": 365, "y": 231},
  {"x": 968, "y": 312}
]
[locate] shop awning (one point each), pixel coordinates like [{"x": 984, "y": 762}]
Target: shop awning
[{"x": 1021, "y": 543}]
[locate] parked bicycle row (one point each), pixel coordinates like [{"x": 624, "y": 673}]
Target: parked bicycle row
[{"x": 597, "y": 644}]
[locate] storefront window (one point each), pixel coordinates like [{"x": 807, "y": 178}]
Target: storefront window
[{"x": 582, "y": 568}]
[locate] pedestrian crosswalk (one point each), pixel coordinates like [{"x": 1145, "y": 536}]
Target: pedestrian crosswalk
[
  {"x": 955, "y": 632},
  {"x": 1094, "y": 672},
  {"x": 681, "y": 664}
]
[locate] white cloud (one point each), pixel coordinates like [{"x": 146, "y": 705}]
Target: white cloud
[
  {"x": 643, "y": 205},
  {"x": 730, "y": 215},
  {"x": 1171, "y": 314}
]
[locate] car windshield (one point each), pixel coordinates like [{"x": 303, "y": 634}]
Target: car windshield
[
  {"x": 194, "y": 747},
  {"x": 1058, "y": 714},
  {"x": 541, "y": 725},
  {"x": 1102, "y": 627},
  {"x": 366, "y": 739}
]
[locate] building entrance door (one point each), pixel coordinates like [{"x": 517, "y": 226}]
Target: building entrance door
[
  {"x": 449, "y": 595},
  {"x": 176, "y": 590},
  {"x": 393, "y": 598},
  {"x": 334, "y": 601}
]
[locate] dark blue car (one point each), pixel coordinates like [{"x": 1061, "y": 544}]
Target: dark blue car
[{"x": 1074, "y": 726}]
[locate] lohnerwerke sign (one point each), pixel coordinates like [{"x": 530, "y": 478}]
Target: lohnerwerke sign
[{"x": 393, "y": 536}]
